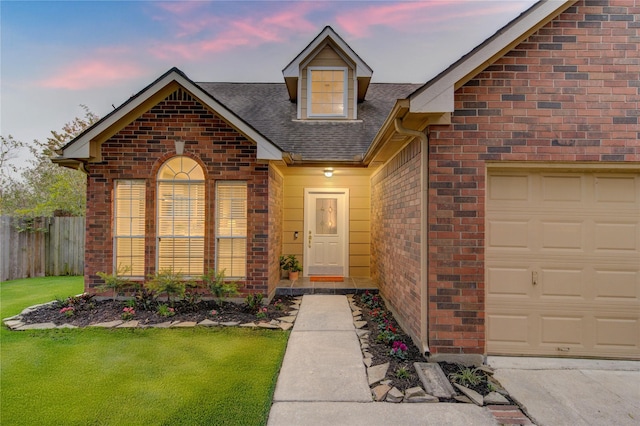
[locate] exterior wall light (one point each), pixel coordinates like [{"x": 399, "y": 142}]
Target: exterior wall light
[{"x": 328, "y": 172}]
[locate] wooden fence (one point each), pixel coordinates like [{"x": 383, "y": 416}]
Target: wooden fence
[{"x": 42, "y": 246}]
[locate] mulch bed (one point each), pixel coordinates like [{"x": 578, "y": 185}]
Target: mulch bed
[
  {"x": 87, "y": 310},
  {"x": 373, "y": 308}
]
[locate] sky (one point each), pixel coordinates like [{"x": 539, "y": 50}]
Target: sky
[{"x": 58, "y": 55}]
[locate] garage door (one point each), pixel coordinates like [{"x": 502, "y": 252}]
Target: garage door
[{"x": 563, "y": 263}]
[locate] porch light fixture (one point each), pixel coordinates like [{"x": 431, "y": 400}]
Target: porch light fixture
[
  {"x": 328, "y": 172},
  {"x": 179, "y": 146}
]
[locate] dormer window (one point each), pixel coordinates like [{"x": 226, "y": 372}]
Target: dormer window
[{"x": 328, "y": 88}]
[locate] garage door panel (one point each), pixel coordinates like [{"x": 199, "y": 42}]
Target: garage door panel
[
  {"x": 617, "y": 332},
  {"x": 509, "y": 282},
  {"x": 562, "y": 283},
  {"x": 563, "y": 263},
  {"x": 562, "y": 235},
  {"x": 616, "y": 284},
  {"x": 562, "y": 188},
  {"x": 509, "y": 188},
  {"x": 509, "y": 234},
  {"x": 616, "y": 236},
  {"x": 510, "y": 329},
  {"x": 561, "y": 330},
  {"x": 616, "y": 189}
]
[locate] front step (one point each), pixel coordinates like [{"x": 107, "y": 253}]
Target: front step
[{"x": 299, "y": 291}]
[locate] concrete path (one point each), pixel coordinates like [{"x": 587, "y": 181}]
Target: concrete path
[
  {"x": 323, "y": 379},
  {"x": 573, "y": 391}
]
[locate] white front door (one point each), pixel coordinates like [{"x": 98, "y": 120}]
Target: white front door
[{"x": 326, "y": 232}]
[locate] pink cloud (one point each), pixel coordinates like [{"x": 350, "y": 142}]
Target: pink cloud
[
  {"x": 421, "y": 15},
  {"x": 210, "y": 32},
  {"x": 91, "y": 73}
]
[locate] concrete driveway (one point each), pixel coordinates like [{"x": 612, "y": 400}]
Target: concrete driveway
[{"x": 572, "y": 391}]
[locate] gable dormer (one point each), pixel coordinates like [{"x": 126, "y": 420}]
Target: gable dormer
[{"x": 327, "y": 79}]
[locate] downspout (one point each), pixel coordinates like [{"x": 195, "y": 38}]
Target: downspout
[{"x": 424, "y": 246}]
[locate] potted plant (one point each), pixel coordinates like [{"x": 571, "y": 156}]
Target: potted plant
[{"x": 291, "y": 264}]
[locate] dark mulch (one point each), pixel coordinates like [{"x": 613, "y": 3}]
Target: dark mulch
[
  {"x": 88, "y": 311},
  {"x": 381, "y": 351}
]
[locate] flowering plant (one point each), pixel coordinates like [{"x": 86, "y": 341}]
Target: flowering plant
[
  {"x": 165, "y": 311},
  {"x": 399, "y": 350},
  {"x": 279, "y": 305},
  {"x": 128, "y": 313},
  {"x": 68, "y": 311},
  {"x": 213, "y": 313},
  {"x": 262, "y": 313}
]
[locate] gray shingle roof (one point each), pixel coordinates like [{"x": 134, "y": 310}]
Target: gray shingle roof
[{"x": 266, "y": 107}]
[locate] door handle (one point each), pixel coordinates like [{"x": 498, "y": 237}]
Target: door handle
[{"x": 310, "y": 237}]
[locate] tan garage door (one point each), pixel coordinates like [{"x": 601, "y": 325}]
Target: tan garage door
[{"x": 563, "y": 263}]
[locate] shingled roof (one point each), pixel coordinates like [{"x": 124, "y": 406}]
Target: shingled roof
[{"x": 267, "y": 108}]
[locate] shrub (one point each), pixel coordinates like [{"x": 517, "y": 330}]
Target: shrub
[
  {"x": 115, "y": 282},
  {"x": 217, "y": 285},
  {"x": 169, "y": 282},
  {"x": 253, "y": 302}
]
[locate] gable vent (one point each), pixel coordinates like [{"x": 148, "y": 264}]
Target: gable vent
[{"x": 180, "y": 95}]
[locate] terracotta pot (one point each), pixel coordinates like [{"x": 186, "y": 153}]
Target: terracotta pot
[{"x": 293, "y": 275}]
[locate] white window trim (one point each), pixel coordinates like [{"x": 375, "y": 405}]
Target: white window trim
[{"x": 345, "y": 92}]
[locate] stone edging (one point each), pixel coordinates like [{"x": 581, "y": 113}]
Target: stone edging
[{"x": 15, "y": 323}]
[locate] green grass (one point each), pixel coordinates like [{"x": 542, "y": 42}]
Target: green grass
[{"x": 152, "y": 376}]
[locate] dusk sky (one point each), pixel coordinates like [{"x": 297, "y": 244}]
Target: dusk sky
[{"x": 58, "y": 55}]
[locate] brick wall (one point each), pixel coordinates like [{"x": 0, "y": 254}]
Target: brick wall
[
  {"x": 395, "y": 236},
  {"x": 138, "y": 151},
  {"x": 571, "y": 92},
  {"x": 276, "y": 209}
]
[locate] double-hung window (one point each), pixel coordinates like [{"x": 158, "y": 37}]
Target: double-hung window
[
  {"x": 128, "y": 227},
  {"x": 181, "y": 216},
  {"x": 327, "y": 92},
  {"x": 231, "y": 228}
]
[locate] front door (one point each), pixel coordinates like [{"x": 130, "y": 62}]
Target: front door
[{"x": 326, "y": 232}]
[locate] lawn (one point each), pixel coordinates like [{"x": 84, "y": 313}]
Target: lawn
[{"x": 131, "y": 376}]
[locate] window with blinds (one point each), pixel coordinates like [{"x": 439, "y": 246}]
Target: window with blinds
[
  {"x": 231, "y": 228},
  {"x": 128, "y": 224},
  {"x": 181, "y": 216}
]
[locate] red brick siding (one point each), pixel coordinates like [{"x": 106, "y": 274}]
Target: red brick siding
[
  {"x": 395, "y": 236},
  {"x": 276, "y": 211},
  {"x": 137, "y": 152},
  {"x": 568, "y": 93}
]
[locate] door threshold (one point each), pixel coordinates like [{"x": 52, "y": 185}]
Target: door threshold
[{"x": 326, "y": 278}]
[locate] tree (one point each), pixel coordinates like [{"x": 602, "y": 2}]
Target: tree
[{"x": 44, "y": 188}]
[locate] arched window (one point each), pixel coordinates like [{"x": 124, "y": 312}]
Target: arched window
[{"x": 181, "y": 216}]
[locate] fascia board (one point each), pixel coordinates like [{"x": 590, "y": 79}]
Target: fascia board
[
  {"x": 430, "y": 96},
  {"x": 81, "y": 148},
  {"x": 293, "y": 69}
]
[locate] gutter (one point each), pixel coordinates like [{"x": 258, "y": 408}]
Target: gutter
[{"x": 424, "y": 216}]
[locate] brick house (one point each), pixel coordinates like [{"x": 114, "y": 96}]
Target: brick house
[{"x": 496, "y": 206}]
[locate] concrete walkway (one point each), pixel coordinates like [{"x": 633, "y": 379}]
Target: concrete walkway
[
  {"x": 572, "y": 391},
  {"x": 323, "y": 380}
]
